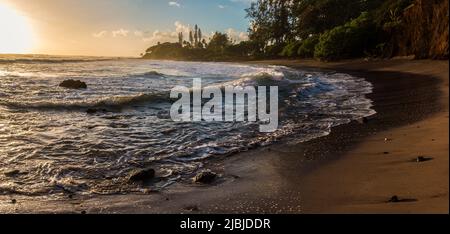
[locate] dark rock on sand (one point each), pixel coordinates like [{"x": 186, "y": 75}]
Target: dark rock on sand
[
  {"x": 13, "y": 201},
  {"x": 205, "y": 177},
  {"x": 394, "y": 199},
  {"x": 191, "y": 208},
  {"x": 73, "y": 84},
  {"x": 141, "y": 175},
  {"x": 423, "y": 159}
]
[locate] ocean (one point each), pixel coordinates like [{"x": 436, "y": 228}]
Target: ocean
[{"x": 55, "y": 146}]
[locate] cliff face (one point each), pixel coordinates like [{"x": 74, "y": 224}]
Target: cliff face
[{"x": 425, "y": 30}]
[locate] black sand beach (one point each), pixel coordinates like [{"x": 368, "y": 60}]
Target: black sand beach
[{"x": 356, "y": 169}]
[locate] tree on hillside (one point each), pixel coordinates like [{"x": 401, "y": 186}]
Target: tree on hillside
[
  {"x": 271, "y": 22},
  {"x": 219, "y": 43},
  {"x": 260, "y": 17},
  {"x": 317, "y": 16}
]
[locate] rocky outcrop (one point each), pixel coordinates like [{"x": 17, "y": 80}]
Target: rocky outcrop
[{"x": 425, "y": 30}]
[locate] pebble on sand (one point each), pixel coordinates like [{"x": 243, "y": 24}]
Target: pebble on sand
[
  {"x": 191, "y": 208},
  {"x": 422, "y": 159},
  {"x": 394, "y": 199}
]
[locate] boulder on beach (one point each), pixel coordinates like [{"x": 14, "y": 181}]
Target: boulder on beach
[
  {"x": 73, "y": 84},
  {"x": 141, "y": 175},
  {"x": 205, "y": 177}
]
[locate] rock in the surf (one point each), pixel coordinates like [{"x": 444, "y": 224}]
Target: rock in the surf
[
  {"x": 153, "y": 74},
  {"x": 73, "y": 84},
  {"x": 96, "y": 110},
  {"x": 92, "y": 111},
  {"x": 205, "y": 177},
  {"x": 11, "y": 173},
  {"x": 141, "y": 175},
  {"x": 363, "y": 120}
]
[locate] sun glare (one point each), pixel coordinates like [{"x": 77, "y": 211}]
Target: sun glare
[{"x": 16, "y": 35}]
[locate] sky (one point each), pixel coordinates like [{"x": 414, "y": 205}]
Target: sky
[{"x": 113, "y": 27}]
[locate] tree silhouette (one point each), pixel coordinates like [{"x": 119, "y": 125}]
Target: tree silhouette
[
  {"x": 200, "y": 37},
  {"x": 196, "y": 38},
  {"x": 219, "y": 42},
  {"x": 191, "y": 38},
  {"x": 180, "y": 38}
]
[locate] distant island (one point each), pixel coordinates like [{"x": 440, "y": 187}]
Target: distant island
[{"x": 323, "y": 29}]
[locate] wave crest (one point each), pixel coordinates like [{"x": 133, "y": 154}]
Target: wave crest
[{"x": 116, "y": 102}]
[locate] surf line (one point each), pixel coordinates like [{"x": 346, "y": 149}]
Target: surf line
[{"x": 238, "y": 104}]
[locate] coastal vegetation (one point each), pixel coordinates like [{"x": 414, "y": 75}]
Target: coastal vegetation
[{"x": 324, "y": 29}]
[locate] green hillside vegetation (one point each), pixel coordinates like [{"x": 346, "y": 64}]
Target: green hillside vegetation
[{"x": 326, "y": 30}]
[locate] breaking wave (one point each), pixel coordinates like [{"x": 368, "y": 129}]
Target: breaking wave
[
  {"x": 55, "y": 148},
  {"x": 115, "y": 102}
]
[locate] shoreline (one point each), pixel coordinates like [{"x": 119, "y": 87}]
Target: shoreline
[
  {"x": 367, "y": 175},
  {"x": 345, "y": 172}
]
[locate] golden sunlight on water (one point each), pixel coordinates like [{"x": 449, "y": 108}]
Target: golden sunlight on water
[{"x": 16, "y": 34}]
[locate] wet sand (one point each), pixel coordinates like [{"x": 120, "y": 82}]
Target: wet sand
[
  {"x": 367, "y": 176},
  {"x": 356, "y": 169}
]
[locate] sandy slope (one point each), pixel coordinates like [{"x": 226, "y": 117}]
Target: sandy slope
[{"x": 367, "y": 175}]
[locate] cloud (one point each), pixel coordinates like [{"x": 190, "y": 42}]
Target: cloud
[
  {"x": 236, "y": 35},
  {"x": 138, "y": 33},
  {"x": 158, "y": 36},
  {"x": 100, "y": 34},
  {"x": 174, "y": 4},
  {"x": 221, "y": 6},
  {"x": 121, "y": 32},
  {"x": 180, "y": 27},
  {"x": 172, "y": 35}
]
